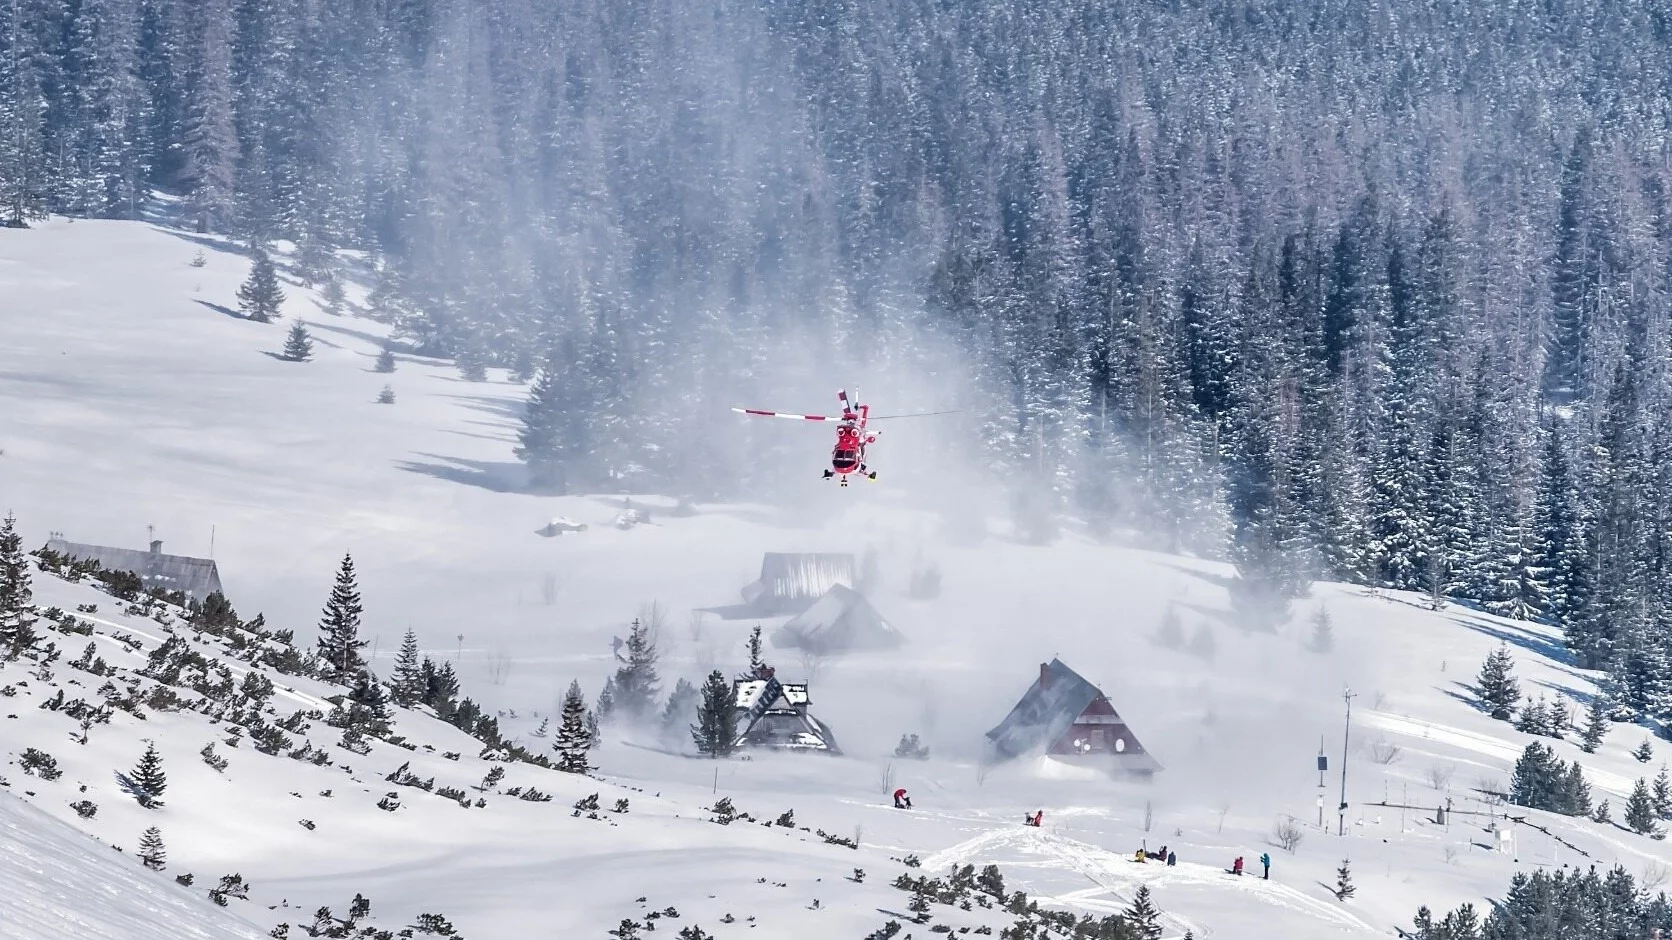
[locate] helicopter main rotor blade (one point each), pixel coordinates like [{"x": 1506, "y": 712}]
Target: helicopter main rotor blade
[
  {"x": 780, "y": 414},
  {"x": 919, "y": 414}
]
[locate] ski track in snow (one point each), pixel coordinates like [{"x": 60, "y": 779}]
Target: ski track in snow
[
  {"x": 1117, "y": 877},
  {"x": 1484, "y": 745}
]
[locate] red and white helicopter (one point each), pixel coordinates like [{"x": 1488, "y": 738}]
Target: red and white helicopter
[{"x": 853, "y": 434}]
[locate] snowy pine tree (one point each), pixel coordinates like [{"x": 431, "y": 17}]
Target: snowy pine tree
[
  {"x": 151, "y": 850},
  {"x": 715, "y": 732},
  {"x": 407, "y": 682},
  {"x": 1141, "y": 919},
  {"x": 17, "y": 613},
  {"x": 339, "y": 627},
  {"x": 1496, "y": 684},
  {"x": 148, "y": 776},
  {"x": 635, "y": 690},
  {"x": 385, "y": 361},
  {"x": 1661, "y": 794},
  {"x": 1640, "y": 809},
  {"x": 1322, "y": 639},
  {"x": 755, "y": 660},
  {"x": 679, "y": 711},
  {"x": 1596, "y": 724},
  {"x": 1344, "y": 888},
  {"x": 260, "y": 295},
  {"x": 574, "y": 739},
  {"x": 298, "y": 345}
]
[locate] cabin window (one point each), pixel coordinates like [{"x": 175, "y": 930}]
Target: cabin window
[
  {"x": 1120, "y": 745},
  {"x": 1099, "y": 739}
]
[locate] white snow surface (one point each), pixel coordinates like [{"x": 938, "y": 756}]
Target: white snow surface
[
  {"x": 58, "y": 882},
  {"x": 131, "y": 399}
]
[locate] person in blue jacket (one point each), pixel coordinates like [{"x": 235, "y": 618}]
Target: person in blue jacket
[{"x": 1265, "y": 863}]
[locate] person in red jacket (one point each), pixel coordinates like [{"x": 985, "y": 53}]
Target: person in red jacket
[
  {"x": 1236, "y": 866},
  {"x": 901, "y": 800}
]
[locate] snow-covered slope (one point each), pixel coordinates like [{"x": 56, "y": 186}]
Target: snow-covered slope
[
  {"x": 132, "y": 401},
  {"x": 56, "y": 882}
]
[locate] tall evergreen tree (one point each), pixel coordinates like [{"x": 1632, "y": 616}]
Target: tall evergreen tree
[
  {"x": 298, "y": 345},
  {"x": 1344, "y": 888},
  {"x": 1596, "y": 725},
  {"x": 210, "y": 140},
  {"x": 149, "y": 777},
  {"x": 339, "y": 628},
  {"x": 407, "y": 682},
  {"x": 574, "y": 739},
  {"x": 24, "y": 159},
  {"x": 260, "y": 295},
  {"x": 715, "y": 732},
  {"x": 1640, "y": 809},
  {"x": 1496, "y": 684},
  {"x": 679, "y": 710},
  {"x": 636, "y": 682},
  {"x": 151, "y": 850},
  {"x": 1141, "y": 918},
  {"x": 17, "y": 613}
]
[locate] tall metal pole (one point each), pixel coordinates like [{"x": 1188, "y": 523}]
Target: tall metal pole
[{"x": 1346, "y": 734}]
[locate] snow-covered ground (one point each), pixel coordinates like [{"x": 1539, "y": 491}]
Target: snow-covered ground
[{"x": 132, "y": 399}]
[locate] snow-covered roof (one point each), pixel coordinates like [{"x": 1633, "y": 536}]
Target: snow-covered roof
[
  {"x": 840, "y": 620},
  {"x": 791, "y": 582},
  {"x": 749, "y": 692},
  {"x": 1049, "y": 708},
  {"x": 197, "y": 577}
]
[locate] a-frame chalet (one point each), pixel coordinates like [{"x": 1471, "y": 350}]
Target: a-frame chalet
[
  {"x": 1067, "y": 718},
  {"x": 774, "y": 715}
]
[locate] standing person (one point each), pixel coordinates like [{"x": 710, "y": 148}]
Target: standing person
[
  {"x": 1265, "y": 863},
  {"x": 1172, "y": 859}
]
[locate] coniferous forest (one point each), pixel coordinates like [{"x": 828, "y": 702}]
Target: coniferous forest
[{"x": 1369, "y": 292}]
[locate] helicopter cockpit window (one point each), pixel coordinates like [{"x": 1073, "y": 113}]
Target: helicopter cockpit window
[{"x": 846, "y": 458}]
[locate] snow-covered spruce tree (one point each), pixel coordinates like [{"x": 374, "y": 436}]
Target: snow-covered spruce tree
[
  {"x": 1344, "y": 888},
  {"x": 755, "y": 660},
  {"x": 17, "y": 613},
  {"x": 385, "y": 361},
  {"x": 1661, "y": 793},
  {"x": 1142, "y": 919},
  {"x": 636, "y": 682},
  {"x": 333, "y": 295},
  {"x": 1533, "y": 718},
  {"x": 1640, "y": 809},
  {"x": 148, "y": 776},
  {"x": 151, "y": 849},
  {"x": 1538, "y": 779},
  {"x": 260, "y": 295},
  {"x": 339, "y": 628},
  {"x": 680, "y": 710},
  {"x": 1575, "y": 792},
  {"x": 386, "y": 396},
  {"x": 1322, "y": 639},
  {"x": 550, "y": 438},
  {"x": 1644, "y": 752},
  {"x": 604, "y": 711},
  {"x": 574, "y": 739},
  {"x": 298, "y": 344},
  {"x": 1496, "y": 684},
  {"x": 367, "y": 706},
  {"x": 715, "y": 732},
  {"x": 407, "y": 682}
]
